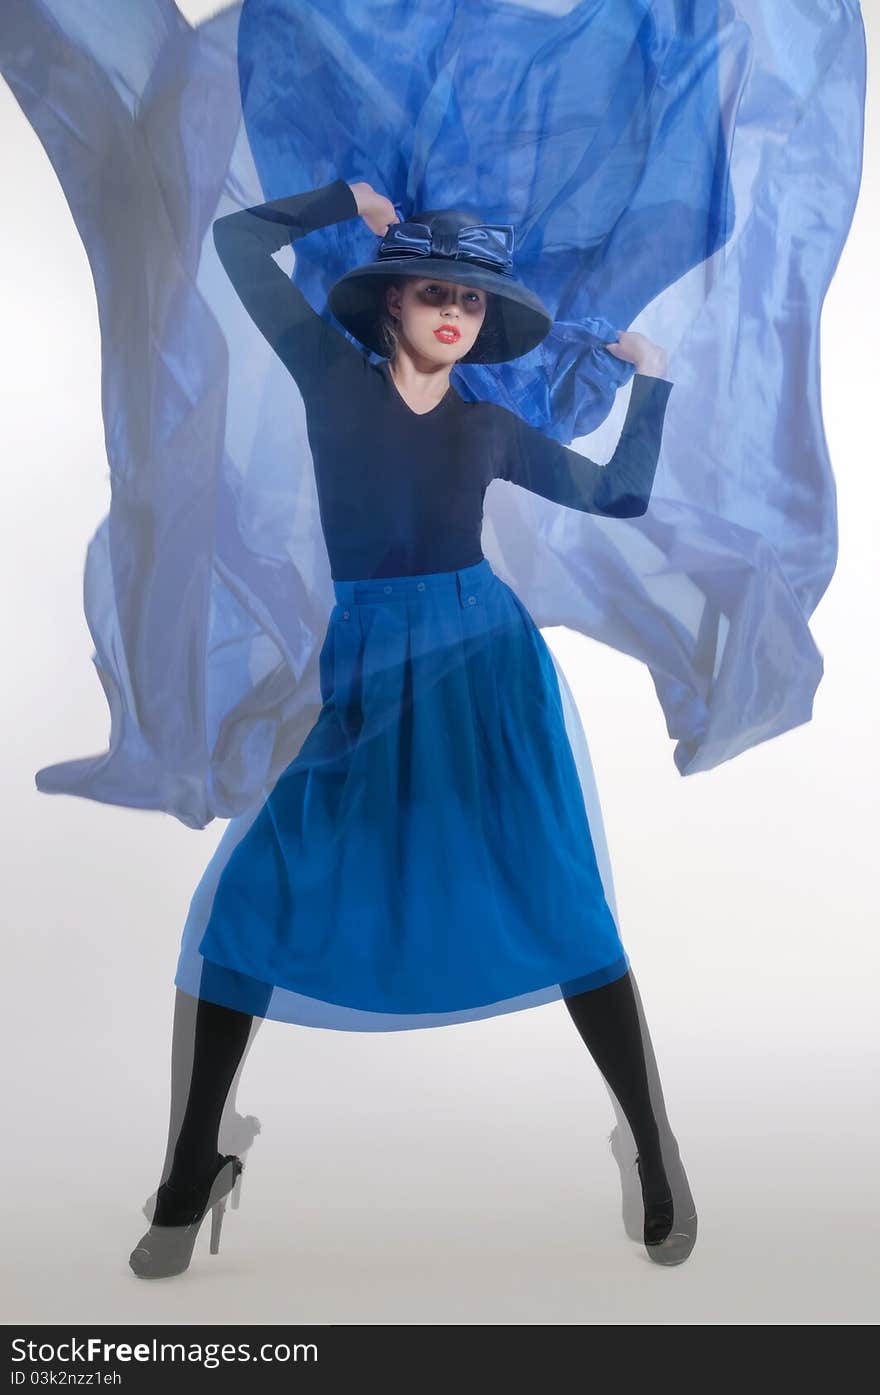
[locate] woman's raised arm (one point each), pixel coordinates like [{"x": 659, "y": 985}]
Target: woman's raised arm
[
  {"x": 245, "y": 241},
  {"x": 620, "y": 489}
]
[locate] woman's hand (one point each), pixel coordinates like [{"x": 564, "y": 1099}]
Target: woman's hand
[
  {"x": 377, "y": 211},
  {"x": 649, "y": 358}
]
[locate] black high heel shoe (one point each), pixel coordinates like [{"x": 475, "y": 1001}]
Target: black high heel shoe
[
  {"x": 667, "y": 1241},
  {"x": 167, "y": 1246},
  {"x": 237, "y": 1134}
]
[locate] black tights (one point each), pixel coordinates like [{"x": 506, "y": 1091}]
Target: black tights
[
  {"x": 219, "y": 1038},
  {"x": 609, "y": 1023},
  {"x": 607, "y": 1019}
]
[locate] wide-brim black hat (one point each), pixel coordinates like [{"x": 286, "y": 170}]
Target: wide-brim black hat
[{"x": 453, "y": 246}]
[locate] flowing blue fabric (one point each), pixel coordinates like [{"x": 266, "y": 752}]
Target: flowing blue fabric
[{"x": 687, "y": 168}]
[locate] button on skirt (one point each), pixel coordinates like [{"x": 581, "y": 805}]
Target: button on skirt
[{"x": 427, "y": 857}]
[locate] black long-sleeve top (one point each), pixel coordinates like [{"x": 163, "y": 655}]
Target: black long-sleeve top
[{"x": 401, "y": 491}]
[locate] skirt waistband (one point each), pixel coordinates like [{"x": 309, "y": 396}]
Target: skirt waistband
[{"x": 465, "y": 583}]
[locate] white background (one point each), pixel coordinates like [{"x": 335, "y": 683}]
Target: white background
[{"x": 461, "y": 1174}]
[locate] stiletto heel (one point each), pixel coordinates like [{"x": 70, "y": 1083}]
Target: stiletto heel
[
  {"x": 167, "y": 1247},
  {"x": 216, "y": 1223},
  {"x": 235, "y": 1194}
]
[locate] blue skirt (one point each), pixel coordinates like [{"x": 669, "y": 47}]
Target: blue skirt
[{"x": 428, "y": 853}]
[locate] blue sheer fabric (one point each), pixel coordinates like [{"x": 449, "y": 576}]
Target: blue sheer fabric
[{"x": 686, "y": 169}]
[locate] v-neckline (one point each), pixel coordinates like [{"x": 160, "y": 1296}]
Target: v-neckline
[{"x": 402, "y": 400}]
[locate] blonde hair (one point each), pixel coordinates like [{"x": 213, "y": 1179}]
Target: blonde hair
[{"x": 388, "y": 323}]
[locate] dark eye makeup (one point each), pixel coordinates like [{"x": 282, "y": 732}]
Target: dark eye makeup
[{"x": 472, "y": 296}]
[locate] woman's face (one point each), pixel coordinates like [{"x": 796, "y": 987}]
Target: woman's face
[{"x": 437, "y": 320}]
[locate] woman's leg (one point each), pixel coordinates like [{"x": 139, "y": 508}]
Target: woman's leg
[
  {"x": 209, "y": 1044},
  {"x": 220, "y": 1037},
  {"x": 607, "y": 1019}
]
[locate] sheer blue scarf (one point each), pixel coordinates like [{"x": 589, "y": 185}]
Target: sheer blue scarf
[{"x": 686, "y": 169}]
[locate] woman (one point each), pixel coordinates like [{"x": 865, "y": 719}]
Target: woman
[{"x": 428, "y": 849}]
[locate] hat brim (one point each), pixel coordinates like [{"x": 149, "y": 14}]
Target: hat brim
[{"x": 519, "y": 319}]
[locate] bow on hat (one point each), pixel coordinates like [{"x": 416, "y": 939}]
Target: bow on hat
[{"x": 486, "y": 244}]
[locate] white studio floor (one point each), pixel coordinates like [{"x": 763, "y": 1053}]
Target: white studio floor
[{"x": 479, "y": 1197}]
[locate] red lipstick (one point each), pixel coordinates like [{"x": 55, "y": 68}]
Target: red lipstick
[{"x": 448, "y": 334}]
